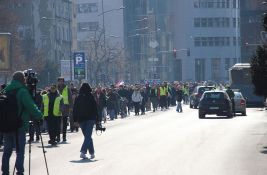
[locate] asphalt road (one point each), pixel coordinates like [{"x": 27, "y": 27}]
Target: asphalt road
[{"x": 164, "y": 143}]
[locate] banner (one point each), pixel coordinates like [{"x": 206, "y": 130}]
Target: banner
[{"x": 5, "y": 60}]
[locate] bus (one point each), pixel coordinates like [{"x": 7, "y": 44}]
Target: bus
[{"x": 240, "y": 78}]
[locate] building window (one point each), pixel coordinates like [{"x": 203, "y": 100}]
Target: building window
[
  {"x": 212, "y": 4},
  {"x": 227, "y": 63},
  {"x": 234, "y": 61},
  {"x": 216, "y": 41},
  {"x": 197, "y": 41},
  {"x": 212, "y": 22},
  {"x": 236, "y": 21},
  {"x": 234, "y": 41},
  {"x": 215, "y": 68},
  {"x": 197, "y": 22},
  {"x": 200, "y": 69},
  {"x": 87, "y": 8},
  {"x": 88, "y": 26},
  {"x": 212, "y": 41},
  {"x": 204, "y": 22},
  {"x": 217, "y": 22},
  {"x": 204, "y": 41}
]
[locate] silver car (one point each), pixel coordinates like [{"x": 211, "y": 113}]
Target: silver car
[{"x": 240, "y": 103}]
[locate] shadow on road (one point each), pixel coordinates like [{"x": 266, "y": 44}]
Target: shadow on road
[
  {"x": 83, "y": 161},
  {"x": 216, "y": 118},
  {"x": 49, "y": 146}
]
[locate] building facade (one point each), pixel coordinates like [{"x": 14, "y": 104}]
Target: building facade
[
  {"x": 149, "y": 39},
  {"x": 210, "y": 30},
  {"x": 191, "y": 40},
  {"x": 251, "y": 27},
  {"x": 103, "y": 19}
]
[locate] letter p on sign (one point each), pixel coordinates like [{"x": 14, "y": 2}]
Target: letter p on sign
[{"x": 78, "y": 60}]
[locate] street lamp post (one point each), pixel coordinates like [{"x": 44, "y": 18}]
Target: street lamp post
[
  {"x": 103, "y": 18},
  {"x": 103, "y": 22}
]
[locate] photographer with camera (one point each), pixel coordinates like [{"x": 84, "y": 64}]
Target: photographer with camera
[
  {"x": 65, "y": 91},
  {"x": 85, "y": 115},
  {"x": 26, "y": 107}
]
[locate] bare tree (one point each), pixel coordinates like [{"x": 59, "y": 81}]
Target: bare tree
[{"x": 103, "y": 57}]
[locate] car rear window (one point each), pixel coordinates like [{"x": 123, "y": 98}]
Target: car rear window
[
  {"x": 201, "y": 90},
  {"x": 238, "y": 95},
  {"x": 214, "y": 95}
]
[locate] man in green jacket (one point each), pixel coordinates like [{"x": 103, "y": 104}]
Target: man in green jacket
[{"x": 27, "y": 108}]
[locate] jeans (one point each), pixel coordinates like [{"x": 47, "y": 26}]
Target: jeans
[
  {"x": 9, "y": 144},
  {"x": 111, "y": 114},
  {"x": 53, "y": 124},
  {"x": 179, "y": 107},
  {"x": 87, "y": 130},
  {"x": 136, "y": 107}
]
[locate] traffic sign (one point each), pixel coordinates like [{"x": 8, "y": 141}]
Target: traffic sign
[{"x": 79, "y": 65}]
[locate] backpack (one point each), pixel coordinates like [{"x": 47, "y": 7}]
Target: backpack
[{"x": 10, "y": 119}]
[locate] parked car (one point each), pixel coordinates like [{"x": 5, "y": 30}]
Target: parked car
[
  {"x": 196, "y": 95},
  {"x": 240, "y": 103},
  {"x": 215, "y": 102}
]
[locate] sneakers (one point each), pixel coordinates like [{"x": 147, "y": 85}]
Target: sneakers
[
  {"x": 92, "y": 156},
  {"x": 83, "y": 156}
]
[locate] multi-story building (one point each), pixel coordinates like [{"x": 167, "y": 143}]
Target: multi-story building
[
  {"x": 210, "y": 30},
  {"x": 148, "y": 38},
  {"x": 192, "y": 40},
  {"x": 44, "y": 31},
  {"x": 104, "y": 17},
  {"x": 251, "y": 26},
  {"x": 52, "y": 32}
]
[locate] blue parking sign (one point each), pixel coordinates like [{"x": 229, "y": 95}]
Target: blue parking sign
[{"x": 79, "y": 65}]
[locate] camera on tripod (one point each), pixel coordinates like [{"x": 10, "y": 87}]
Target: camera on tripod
[
  {"x": 31, "y": 77},
  {"x": 99, "y": 127},
  {"x": 31, "y": 81}
]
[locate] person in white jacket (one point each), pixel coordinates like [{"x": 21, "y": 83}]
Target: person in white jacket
[{"x": 137, "y": 99}]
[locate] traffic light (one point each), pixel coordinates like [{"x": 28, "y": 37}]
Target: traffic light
[{"x": 174, "y": 53}]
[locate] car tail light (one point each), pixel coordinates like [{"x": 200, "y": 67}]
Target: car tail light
[
  {"x": 242, "y": 102},
  {"x": 199, "y": 95}
]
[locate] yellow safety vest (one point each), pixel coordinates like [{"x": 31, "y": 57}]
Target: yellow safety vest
[
  {"x": 56, "y": 110},
  {"x": 163, "y": 91},
  {"x": 65, "y": 95}
]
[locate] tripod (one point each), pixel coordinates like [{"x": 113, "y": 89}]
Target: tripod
[{"x": 41, "y": 138}]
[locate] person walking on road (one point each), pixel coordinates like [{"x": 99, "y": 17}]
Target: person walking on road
[
  {"x": 65, "y": 91},
  {"x": 52, "y": 109},
  {"x": 17, "y": 139},
  {"x": 231, "y": 95},
  {"x": 137, "y": 100},
  {"x": 179, "y": 98},
  {"x": 85, "y": 115}
]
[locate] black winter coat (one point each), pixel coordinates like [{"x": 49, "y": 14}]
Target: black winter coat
[{"x": 85, "y": 108}]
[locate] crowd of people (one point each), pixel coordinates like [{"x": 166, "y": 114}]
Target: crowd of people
[{"x": 54, "y": 108}]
